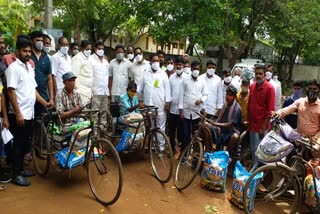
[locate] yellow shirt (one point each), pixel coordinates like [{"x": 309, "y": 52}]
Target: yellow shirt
[{"x": 244, "y": 106}]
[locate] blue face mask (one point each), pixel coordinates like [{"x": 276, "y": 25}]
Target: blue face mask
[{"x": 297, "y": 94}]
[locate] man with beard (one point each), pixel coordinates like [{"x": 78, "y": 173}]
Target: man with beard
[
  {"x": 261, "y": 104},
  {"x": 161, "y": 54},
  {"x": 21, "y": 86}
]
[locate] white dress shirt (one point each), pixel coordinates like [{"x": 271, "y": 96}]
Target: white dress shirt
[
  {"x": 214, "y": 87},
  {"x": 100, "y": 75},
  {"x": 278, "y": 94},
  {"x": 155, "y": 88},
  {"x": 82, "y": 68},
  {"x": 139, "y": 70},
  {"x": 175, "y": 84},
  {"x": 120, "y": 73},
  {"x": 20, "y": 77},
  {"x": 60, "y": 64},
  {"x": 190, "y": 91}
]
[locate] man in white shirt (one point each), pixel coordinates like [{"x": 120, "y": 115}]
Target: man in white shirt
[
  {"x": 277, "y": 87},
  {"x": 82, "y": 68},
  {"x": 156, "y": 92},
  {"x": 214, "y": 102},
  {"x": 119, "y": 74},
  {"x": 175, "y": 122},
  {"x": 22, "y": 95},
  {"x": 100, "y": 88},
  {"x": 227, "y": 80},
  {"x": 61, "y": 64},
  {"x": 139, "y": 68},
  {"x": 130, "y": 54},
  {"x": 192, "y": 95},
  {"x": 170, "y": 66}
]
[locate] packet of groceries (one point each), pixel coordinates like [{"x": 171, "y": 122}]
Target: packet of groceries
[
  {"x": 310, "y": 191},
  {"x": 214, "y": 173},
  {"x": 240, "y": 177}
]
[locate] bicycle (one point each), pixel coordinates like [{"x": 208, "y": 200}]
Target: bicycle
[
  {"x": 191, "y": 158},
  {"x": 282, "y": 184},
  {"x": 161, "y": 155},
  {"x": 102, "y": 161}
]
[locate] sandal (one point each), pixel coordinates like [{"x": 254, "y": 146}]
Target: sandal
[{"x": 2, "y": 187}]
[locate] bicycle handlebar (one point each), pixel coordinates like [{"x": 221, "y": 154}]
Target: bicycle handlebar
[{"x": 148, "y": 108}]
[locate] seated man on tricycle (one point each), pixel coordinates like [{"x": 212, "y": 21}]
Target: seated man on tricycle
[
  {"x": 128, "y": 101},
  {"x": 225, "y": 131}
]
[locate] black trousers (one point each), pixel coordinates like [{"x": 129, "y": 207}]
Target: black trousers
[
  {"x": 21, "y": 142},
  {"x": 175, "y": 125}
]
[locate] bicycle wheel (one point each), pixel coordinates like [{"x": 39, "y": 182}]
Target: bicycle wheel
[
  {"x": 104, "y": 170},
  {"x": 189, "y": 164},
  {"x": 105, "y": 121},
  {"x": 279, "y": 189},
  {"x": 40, "y": 144},
  {"x": 161, "y": 155}
]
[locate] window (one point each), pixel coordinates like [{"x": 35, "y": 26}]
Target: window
[{"x": 175, "y": 45}]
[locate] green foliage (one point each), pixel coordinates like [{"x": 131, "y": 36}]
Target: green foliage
[{"x": 14, "y": 17}]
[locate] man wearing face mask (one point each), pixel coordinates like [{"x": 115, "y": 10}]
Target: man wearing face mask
[
  {"x": 175, "y": 122},
  {"x": 139, "y": 67},
  {"x": 130, "y": 54},
  {"x": 193, "y": 94},
  {"x": 261, "y": 104},
  {"x": 214, "y": 102},
  {"x": 186, "y": 68},
  {"x": 291, "y": 119},
  {"x": 119, "y": 73},
  {"x": 43, "y": 73},
  {"x": 82, "y": 68},
  {"x": 155, "y": 88},
  {"x": 100, "y": 90},
  {"x": 243, "y": 99},
  {"x": 74, "y": 49},
  {"x": 277, "y": 88},
  {"x": 47, "y": 45},
  {"x": 61, "y": 64},
  {"x": 170, "y": 63},
  {"x": 227, "y": 80}
]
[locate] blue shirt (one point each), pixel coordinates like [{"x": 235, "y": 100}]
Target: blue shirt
[
  {"x": 291, "y": 119},
  {"x": 126, "y": 103},
  {"x": 42, "y": 70}
]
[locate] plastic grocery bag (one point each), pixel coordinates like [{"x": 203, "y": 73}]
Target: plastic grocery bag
[
  {"x": 310, "y": 190},
  {"x": 273, "y": 148},
  {"x": 214, "y": 173},
  {"x": 76, "y": 158},
  {"x": 240, "y": 177}
]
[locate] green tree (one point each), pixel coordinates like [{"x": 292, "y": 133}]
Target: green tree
[{"x": 14, "y": 19}]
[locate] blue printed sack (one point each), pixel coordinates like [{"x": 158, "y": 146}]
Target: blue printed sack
[
  {"x": 240, "y": 177},
  {"x": 76, "y": 158},
  {"x": 214, "y": 173}
]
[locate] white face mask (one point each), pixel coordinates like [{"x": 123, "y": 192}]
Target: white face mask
[
  {"x": 38, "y": 45},
  {"x": 130, "y": 56},
  {"x": 64, "y": 50},
  {"x": 155, "y": 66},
  {"x": 87, "y": 53},
  {"x": 100, "y": 53},
  {"x": 139, "y": 57},
  {"x": 187, "y": 70},
  {"x": 120, "y": 56},
  {"x": 195, "y": 73},
  {"x": 169, "y": 67},
  {"x": 179, "y": 72},
  {"x": 46, "y": 49},
  {"x": 75, "y": 52},
  {"x": 268, "y": 75},
  {"x": 227, "y": 79},
  {"x": 210, "y": 71}
]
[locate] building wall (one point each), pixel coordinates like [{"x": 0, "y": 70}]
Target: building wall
[{"x": 148, "y": 44}]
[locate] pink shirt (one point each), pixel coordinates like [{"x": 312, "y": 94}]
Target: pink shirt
[
  {"x": 308, "y": 116},
  {"x": 10, "y": 58}
]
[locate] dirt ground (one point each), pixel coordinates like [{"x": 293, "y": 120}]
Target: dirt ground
[{"x": 141, "y": 193}]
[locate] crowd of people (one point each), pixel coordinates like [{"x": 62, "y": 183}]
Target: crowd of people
[{"x": 34, "y": 79}]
